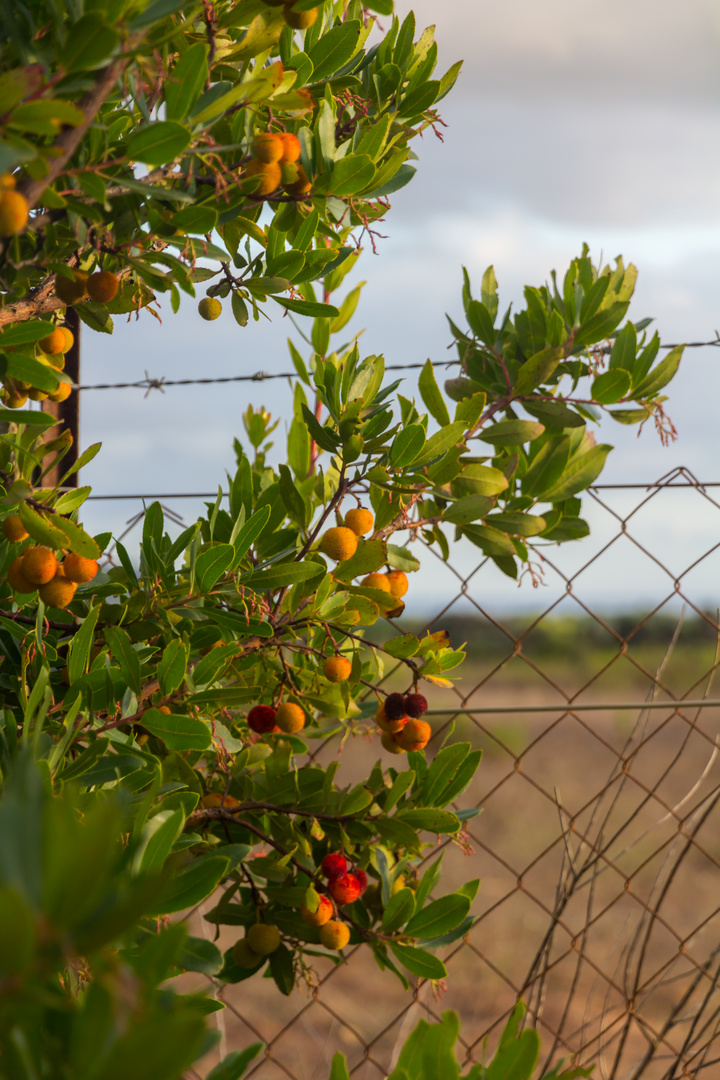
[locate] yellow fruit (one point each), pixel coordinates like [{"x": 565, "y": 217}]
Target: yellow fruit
[
  {"x": 299, "y": 20},
  {"x": 398, "y": 582},
  {"x": 14, "y": 529},
  {"x": 337, "y": 668},
  {"x": 16, "y": 577},
  {"x": 301, "y": 185},
  {"x": 69, "y": 339},
  {"x": 291, "y": 147},
  {"x": 70, "y": 291},
  {"x": 269, "y": 174},
  {"x": 80, "y": 569},
  {"x": 263, "y": 939},
  {"x": 15, "y": 401},
  {"x": 376, "y": 581},
  {"x": 7, "y": 180},
  {"x": 267, "y": 147},
  {"x": 39, "y": 564},
  {"x": 62, "y": 393},
  {"x": 14, "y": 212},
  {"x": 58, "y": 592},
  {"x": 210, "y": 308},
  {"x": 37, "y": 395},
  {"x": 388, "y": 741},
  {"x": 334, "y": 934},
  {"x": 243, "y": 955},
  {"x": 414, "y": 735},
  {"x": 339, "y": 543},
  {"x": 103, "y": 286},
  {"x": 289, "y": 718},
  {"x": 317, "y": 918},
  {"x": 359, "y": 520},
  {"x": 53, "y": 343}
]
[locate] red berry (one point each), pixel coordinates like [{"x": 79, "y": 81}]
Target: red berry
[
  {"x": 334, "y": 865},
  {"x": 415, "y": 705},
  {"x": 345, "y": 889},
  {"x": 395, "y": 706},
  {"x": 361, "y": 878},
  {"x": 261, "y": 719}
]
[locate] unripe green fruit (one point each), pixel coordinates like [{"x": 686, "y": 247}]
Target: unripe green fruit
[
  {"x": 353, "y": 448},
  {"x": 460, "y": 388},
  {"x": 244, "y": 956},
  {"x": 210, "y": 308},
  {"x": 339, "y": 543},
  {"x": 70, "y": 291},
  {"x": 334, "y": 934},
  {"x": 263, "y": 938}
]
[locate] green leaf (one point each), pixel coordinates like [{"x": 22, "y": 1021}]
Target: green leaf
[
  {"x": 491, "y": 541},
  {"x": 407, "y": 445},
  {"x": 177, "y": 732},
  {"x": 611, "y": 386},
  {"x": 439, "y": 443},
  {"x": 282, "y": 574},
  {"x": 18, "y": 416},
  {"x": 172, "y": 666},
  {"x": 308, "y": 307},
  {"x": 339, "y": 1070},
  {"x": 77, "y": 539},
  {"x": 81, "y": 646},
  {"x": 468, "y": 509},
  {"x": 350, "y": 175},
  {"x": 89, "y": 44},
  {"x": 547, "y": 466},
  {"x": 517, "y": 1059},
  {"x": 537, "y": 369},
  {"x": 517, "y": 524},
  {"x": 481, "y": 322},
  {"x": 234, "y": 1065},
  {"x": 25, "y": 333},
  {"x": 511, "y": 432},
  {"x": 419, "y": 962},
  {"x": 249, "y": 533},
  {"x": 186, "y": 81},
  {"x": 401, "y": 558},
  {"x": 158, "y": 835},
  {"x": 282, "y": 970},
  {"x": 624, "y": 349},
  {"x": 195, "y": 219},
  {"x": 431, "y": 395},
  {"x": 429, "y": 1052},
  {"x": 96, "y": 316},
  {"x": 660, "y": 375},
  {"x": 324, "y": 437},
  {"x": 402, "y": 647},
  {"x": 431, "y": 820},
  {"x": 579, "y": 474},
  {"x": 371, "y": 555},
  {"x": 439, "y": 916},
  {"x": 210, "y": 565},
  {"x": 399, "y": 909},
  {"x": 158, "y": 142},
  {"x": 599, "y": 326},
  {"x": 334, "y": 49},
  {"x": 42, "y": 527},
  {"x": 33, "y": 372},
  {"x": 192, "y": 885},
  {"x": 122, "y": 651},
  {"x": 553, "y": 413},
  {"x": 419, "y": 100},
  {"x": 202, "y": 956}
]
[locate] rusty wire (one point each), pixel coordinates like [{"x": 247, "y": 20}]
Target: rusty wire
[{"x": 597, "y": 846}]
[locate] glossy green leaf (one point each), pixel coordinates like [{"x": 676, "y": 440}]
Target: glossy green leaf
[
  {"x": 158, "y": 142},
  {"x": 309, "y": 308},
  {"x": 123, "y": 652},
  {"x": 660, "y": 375},
  {"x": 468, "y": 509},
  {"x": 419, "y": 962},
  {"x": 611, "y": 386},
  {"x": 234, "y": 1065},
  {"x": 283, "y": 574},
  {"x": 186, "y": 81},
  {"x": 431, "y": 395},
  {"x": 439, "y": 916},
  {"x": 398, "y": 910},
  {"x": 31, "y": 371},
  {"x": 192, "y": 885},
  {"x": 431, "y": 820},
  {"x": 511, "y": 432},
  {"x": 334, "y": 49},
  {"x": 177, "y": 732},
  {"x": 537, "y": 369},
  {"x": 407, "y": 445},
  {"x": 212, "y": 564},
  {"x": 579, "y": 474}
]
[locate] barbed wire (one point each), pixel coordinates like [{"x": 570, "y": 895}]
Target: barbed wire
[{"x": 150, "y": 383}]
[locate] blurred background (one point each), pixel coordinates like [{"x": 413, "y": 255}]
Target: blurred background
[{"x": 569, "y": 123}]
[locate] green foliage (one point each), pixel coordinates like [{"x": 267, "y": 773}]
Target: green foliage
[{"x": 137, "y": 781}]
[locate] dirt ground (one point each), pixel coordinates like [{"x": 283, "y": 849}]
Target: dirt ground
[{"x": 601, "y": 824}]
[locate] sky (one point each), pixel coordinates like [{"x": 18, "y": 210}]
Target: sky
[{"x": 570, "y": 123}]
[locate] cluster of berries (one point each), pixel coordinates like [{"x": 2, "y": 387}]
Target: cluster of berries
[
  {"x": 50, "y": 351},
  {"x": 298, "y": 20},
  {"x": 38, "y": 569},
  {"x": 341, "y": 542},
  {"x": 399, "y": 719},
  {"x": 14, "y": 209},
  {"x": 275, "y": 162},
  {"x": 287, "y": 717}
]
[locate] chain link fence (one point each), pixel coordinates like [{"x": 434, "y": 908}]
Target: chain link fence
[{"x": 598, "y": 844}]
